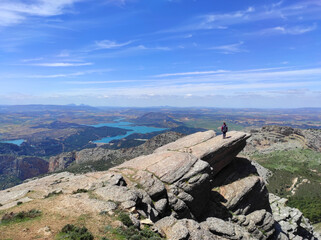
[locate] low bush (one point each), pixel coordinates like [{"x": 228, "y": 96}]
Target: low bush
[
  {"x": 54, "y": 193},
  {"x": 310, "y": 207},
  {"x": 132, "y": 233},
  {"x": 72, "y": 232},
  {"x": 20, "y": 216},
  {"x": 125, "y": 219},
  {"x": 80, "y": 190}
]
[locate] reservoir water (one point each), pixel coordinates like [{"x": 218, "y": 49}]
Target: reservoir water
[
  {"x": 17, "y": 142},
  {"x": 125, "y": 125}
]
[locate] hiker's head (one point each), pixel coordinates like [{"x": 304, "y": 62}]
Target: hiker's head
[{"x": 224, "y": 123}]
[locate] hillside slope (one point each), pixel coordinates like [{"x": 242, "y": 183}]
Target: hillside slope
[{"x": 294, "y": 158}]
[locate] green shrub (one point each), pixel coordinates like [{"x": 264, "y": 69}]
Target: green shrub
[
  {"x": 310, "y": 207},
  {"x": 72, "y": 232},
  {"x": 54, "y": 193},
  {"x": 132, "y": 233},
  {"x": 80, "y": 190},
  {"x": 125, "y": 219},
  {"x": 20, "y": 216}
]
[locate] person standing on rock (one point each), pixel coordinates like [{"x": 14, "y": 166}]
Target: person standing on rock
[{"x": 224, "y": 129}]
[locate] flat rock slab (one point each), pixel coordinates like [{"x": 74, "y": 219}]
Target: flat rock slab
[
  {"x": 217, "y": 144},
  {"x": 169, "y": 166},
  {"x": 215, "y": 150},
  {"x": 39, "y": 188},
  {"x": 183, "y": 144}
]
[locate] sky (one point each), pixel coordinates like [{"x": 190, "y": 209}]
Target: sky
[{"x": 207, "y": 53}]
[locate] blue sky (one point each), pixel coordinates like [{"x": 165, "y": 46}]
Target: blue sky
[{"x": 264, "y": 54}]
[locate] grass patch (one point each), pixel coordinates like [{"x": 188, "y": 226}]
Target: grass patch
[
  {"x": 19, "y": 217},
  {"x": 54, "y": 193},
  {"x": 132, "y": 233},
  {"x": 72, "y": 232},
  {"x": 287, "y": 165}
]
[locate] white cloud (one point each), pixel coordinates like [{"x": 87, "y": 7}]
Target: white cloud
[
  {"x": 98, "y": 82},
  {"x": 218, "y": 72},
  {"x": 275, "y": 11},
  {"x": 143, "y": 47},
  {"x": 57, "y": 75},
  {"x": 189, "y": 73},
  {"x": 32, "y": 59},
  {"x": 15, "y": 11},
  {"x": 294, "y": 30},
  {"x": 62, "y": 64},
  {"x": 230, "y": 48},
  {"x": 107, "y": 44},
  {"x": 66, "y": 75},
  {"x": 117, "y": 2}
]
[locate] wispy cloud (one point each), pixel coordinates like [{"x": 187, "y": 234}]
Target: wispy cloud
[
  {"x": 61, "y": 64},
  {"x": 67, "y": 75},
  {"x": 189, "y": 73},
  {"x": 143, "y": 47},
  {"x": 277, "y": 76},
  {"x": 218, "y": 72},
  {"x": 32, "y": 59},
  {"x": 58, "y": 75},
  {"x": 117, "y": 2},
  {"x": 306, "y": 9},
  {"x": 107, "y": 44},
  {"x": 230, "y": 48},
  {"x": 294, "y": 30},
  {"x": 15, "y": 11},
  {"x": 99, "y": 82}
]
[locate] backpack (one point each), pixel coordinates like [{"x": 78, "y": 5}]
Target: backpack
[{"x": 224, "y": 128}]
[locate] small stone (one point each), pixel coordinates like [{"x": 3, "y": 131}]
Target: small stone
[
  {"x": 135, "y": 221},
  {"x": 146, "y": 221}
]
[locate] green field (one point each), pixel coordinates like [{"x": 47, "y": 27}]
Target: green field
[{"x": 303, "y": 164}]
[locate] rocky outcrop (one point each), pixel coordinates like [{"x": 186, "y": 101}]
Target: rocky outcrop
[
  {"x": 291, "y": 221},
  {"x": 271, "y": 138},
  {"x": 217, "y": 152},
  {"x": 20, "y": 168},
  {"x": 194, "y": 188}
]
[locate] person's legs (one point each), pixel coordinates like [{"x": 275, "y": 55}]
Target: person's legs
[{"x": 224, "y": 135}]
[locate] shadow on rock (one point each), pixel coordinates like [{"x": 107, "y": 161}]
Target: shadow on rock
[{"x": 239, "y": 168}]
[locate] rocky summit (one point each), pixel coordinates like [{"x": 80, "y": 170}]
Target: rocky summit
[{"x": 193, "y": 188}]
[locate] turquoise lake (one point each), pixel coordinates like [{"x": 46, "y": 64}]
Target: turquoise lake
[
  {"x": 17, "y": 142},
  {"x": 125, "y": 125}
]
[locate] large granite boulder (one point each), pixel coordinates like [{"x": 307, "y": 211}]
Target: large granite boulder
[{"x": 218, "y": 152}]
